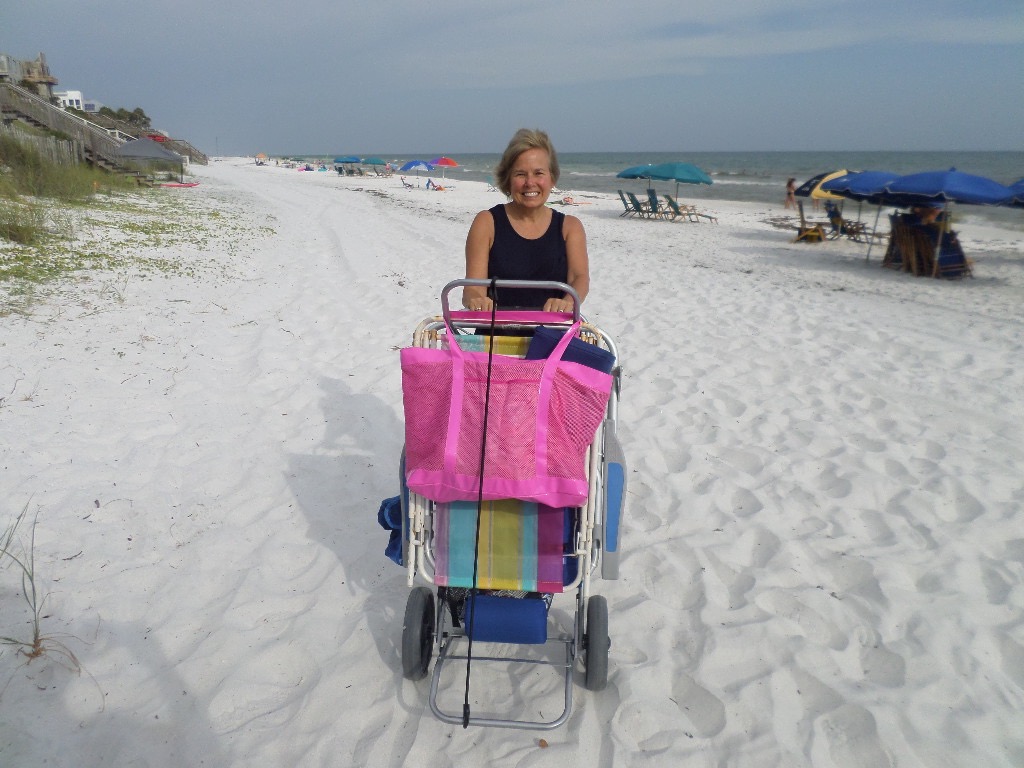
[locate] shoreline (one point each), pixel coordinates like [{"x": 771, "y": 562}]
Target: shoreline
[{"x": 757, "y": 176}]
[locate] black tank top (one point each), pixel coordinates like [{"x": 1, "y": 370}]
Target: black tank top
[{"x": 514, "y": 257}]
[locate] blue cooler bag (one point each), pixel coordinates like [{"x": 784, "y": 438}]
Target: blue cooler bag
[{"x": 544, "y": 341}]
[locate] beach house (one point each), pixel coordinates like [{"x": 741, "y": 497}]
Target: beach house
[{"x": 34, "y": 75}]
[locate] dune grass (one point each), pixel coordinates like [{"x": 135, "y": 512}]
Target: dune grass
[
  {"x": 23, "y": 559},
  {"x": 60, "y": 225}
]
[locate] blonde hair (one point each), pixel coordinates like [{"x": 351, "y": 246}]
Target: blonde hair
[{"x": 524, "y": 139}]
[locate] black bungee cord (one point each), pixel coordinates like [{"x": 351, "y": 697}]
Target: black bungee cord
[{"x": 492, "y": 291}]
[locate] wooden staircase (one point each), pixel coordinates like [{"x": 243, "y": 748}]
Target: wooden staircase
[{"x": 96, "y": 146}]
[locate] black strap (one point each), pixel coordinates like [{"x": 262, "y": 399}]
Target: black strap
[{"x": 492, "y": 291}]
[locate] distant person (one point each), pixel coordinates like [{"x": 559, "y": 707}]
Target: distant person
[
  {"x": 923, "y": 215},
  {"x": 791, "y": 193},
  {"x": 524, "y": 239}
]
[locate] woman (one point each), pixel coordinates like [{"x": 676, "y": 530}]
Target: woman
[
  {"x": 791, "y": 193},
  {"x": 524, "y": 239}
]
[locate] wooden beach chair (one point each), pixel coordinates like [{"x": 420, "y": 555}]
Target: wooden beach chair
[
  {"x": 855, "y": 230},
  {"x": 640, "y": 209},
  {"x": 657, "y": 208},
  {"x": 682, "y": 211},
  {"x": 808, "y": 233}
]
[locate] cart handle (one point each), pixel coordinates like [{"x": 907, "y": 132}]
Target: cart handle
[{"x": 523, "y": 315}]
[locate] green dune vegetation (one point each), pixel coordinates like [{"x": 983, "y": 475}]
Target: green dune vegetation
[{"x": 61, "y": 223}]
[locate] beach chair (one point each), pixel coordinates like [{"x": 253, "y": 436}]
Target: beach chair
[
  {"x": 808, "y": 233},
  {"x": 658, "y": 209},
  {"x": 682, "y": 212},
  {"x": 952, "y": 262},
  {"x": 893, "y": 258},
  {"x": 855, "y": 230},
  {"x": 497, "y": 567},
  {"x": 629, "y": 211},
  {"x": 640, "y": 209}
]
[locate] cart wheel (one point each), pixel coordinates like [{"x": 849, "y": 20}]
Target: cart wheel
[
  {"x": 596, "y": 644},
  {"x": 418, "y": 633}
]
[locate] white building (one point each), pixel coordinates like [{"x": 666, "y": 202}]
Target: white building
[
  {"x": 75, "y": 100},
  {"x": 71, "y": 99}
]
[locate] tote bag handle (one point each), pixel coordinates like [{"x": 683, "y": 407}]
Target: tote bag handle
[
  {"x": 534, "y": 317},
  {"x": 458, "y": 358}
]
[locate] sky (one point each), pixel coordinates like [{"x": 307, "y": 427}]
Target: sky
[{"x": 460, "y": 76}]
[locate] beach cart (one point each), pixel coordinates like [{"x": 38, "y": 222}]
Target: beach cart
[{"x": 491, "y": 556}]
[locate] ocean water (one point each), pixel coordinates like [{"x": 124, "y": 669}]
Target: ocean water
[{"x": 761, "y": 176}]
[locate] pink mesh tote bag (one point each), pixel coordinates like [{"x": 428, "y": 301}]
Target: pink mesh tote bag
[{"x": 542, "y": 416}]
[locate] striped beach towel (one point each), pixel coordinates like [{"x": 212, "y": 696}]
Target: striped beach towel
[
  {"x": 514, "y": 346},
  {"x": 520, "y": 545}
]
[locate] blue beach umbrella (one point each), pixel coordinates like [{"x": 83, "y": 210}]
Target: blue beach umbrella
[
  {"x": 1016, "y": 199},
  {"x": 950, "y": 186},
  {"x": 635, "y": 172},
  {"x": 417, "y": 165},
  {"x": 946, "y": 187},
  {"x": 346, "y": 159},
  {"x": 863, "y": 186},
  {"x": 680, "y": 173}
]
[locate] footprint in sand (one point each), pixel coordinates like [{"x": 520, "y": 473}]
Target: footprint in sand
[
  {"x": 736, "y": 582},
  {"x": 758, "y": 546},
  {"x": 745, "y": 503},
  {"x": 814, "y": 626},
  {"x": 832, "y": 484},
  {"x": 703, "y": 709},
  {"x": 851, "y": 738}
]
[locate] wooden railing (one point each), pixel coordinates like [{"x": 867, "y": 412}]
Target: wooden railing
[{"x": 95, "y": 145}]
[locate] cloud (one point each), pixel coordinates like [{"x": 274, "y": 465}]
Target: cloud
[{"x": 354, "y": 73}]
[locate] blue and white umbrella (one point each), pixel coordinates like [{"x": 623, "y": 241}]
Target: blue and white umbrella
[{"x": 417, "y": 165}]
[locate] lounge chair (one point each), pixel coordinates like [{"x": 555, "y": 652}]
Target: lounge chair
[
  {"x": 639, "y": 208},
  {"x": 657, "y": 208},
  {"x": 679, "y": 211},
  {"x": 855, "y": 230},
  {"x": 626, "y": 204},
  {"x": 808, "y": 233},
  {"x": 691, "y": 211}
]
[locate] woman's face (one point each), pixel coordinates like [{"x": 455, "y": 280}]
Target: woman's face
[{"x": 531, "y": 180}]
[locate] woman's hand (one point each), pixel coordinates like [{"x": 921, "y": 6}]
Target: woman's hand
[
  {"x": 477, "y": 303},
  {"x": 558, "y": 305}
]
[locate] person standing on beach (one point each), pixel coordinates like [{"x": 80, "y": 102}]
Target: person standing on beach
[
  {"x": 524, "y": 239},
  {"x": 791, "y": 193}
]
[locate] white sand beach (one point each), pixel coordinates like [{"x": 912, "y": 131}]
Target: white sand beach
[{"x": 823, "y": 551}]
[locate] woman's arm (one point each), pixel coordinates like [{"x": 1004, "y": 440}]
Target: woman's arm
[
  {"x": 478, "y": 256},
  {"x": 578, "y": 265}
]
